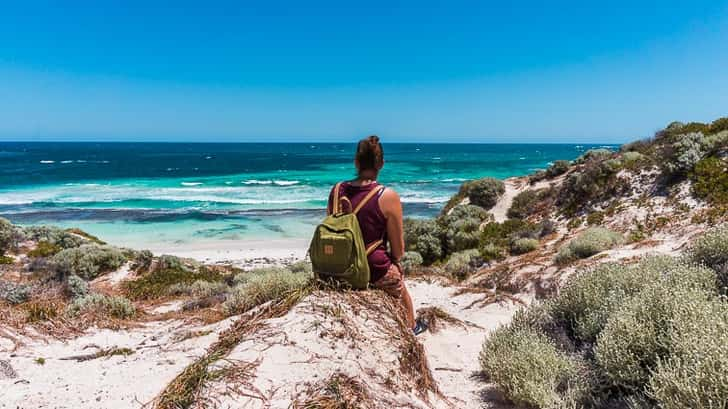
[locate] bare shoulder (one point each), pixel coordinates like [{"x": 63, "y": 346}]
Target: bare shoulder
[
  {"x": 390, "y": 195},
  {"x": 390, "y": 203}
]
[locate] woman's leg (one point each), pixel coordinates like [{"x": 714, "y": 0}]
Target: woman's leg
[{"x": 409, "y": 307}]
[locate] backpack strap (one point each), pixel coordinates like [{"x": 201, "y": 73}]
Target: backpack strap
[
  {"x": 374, "y": 246},
  {"x": 368, "y": 197},
  {"x": 336, "y": 206}
]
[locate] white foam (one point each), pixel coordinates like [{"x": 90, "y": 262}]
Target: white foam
[
  {"x": 66, "y": 161},
  {"x": 286, "y": 182},
  {"x": 47, "y": 161},
  {"x": 191, "y": 183}
]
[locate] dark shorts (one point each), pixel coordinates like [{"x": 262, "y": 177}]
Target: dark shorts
[{"x": 392, "y": 283}]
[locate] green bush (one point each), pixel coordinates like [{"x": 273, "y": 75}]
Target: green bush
[
  {"x": 680, "y": 157},
  {"x": 595, "y": 218},
  {"x": 485, "y": 192},
  {"x": 199, "y": 288},
  {"x": 158, "y": 282},
  {"x": 696, "y": 373},
  {"x": 559, "y": 167},
  {"x": 44, "y": 249},
  {"x": 711, "y": 249},
  {"x": 118, "y": 307},
  {"x": 261, "y": 288},
  {"x": 594, "y": 182},
  {"x": 76, "y": 286},
  {"x": 169, "y": 262},
  {"x": 14, "y": 293},
  {"x": 490, "y": 252},
  {"x": 710, "y": 180},
  {"x": 637, "y": 336},
  {"x": 302, "y": 267},
  {"x": 143, "y": 260},
  {"x": 10, "y": 236},
  {"x": 461, "y": 228},
  {"x": 462, "y": 263},
  {"x": 524, "y": 245},
  {"x": 719, "y": 125},
  {"x": 411, "y": 261},
  {"x": 87, "y": 261},
  {"x": 423, "y": 236},
  {"x": 598, "y": 155},
  {"x": 55, "y": 236},
  {"x": 590, "y": 242},
  {"x": 631, "y": 159},
  {"x": 523, "y": 204},
  {"x": 528, "y": 367}
]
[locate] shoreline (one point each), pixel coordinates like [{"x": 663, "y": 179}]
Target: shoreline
[{"x": 239, "y": 253}]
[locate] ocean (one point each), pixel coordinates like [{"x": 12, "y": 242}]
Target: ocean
[{"x": 134, "y": 194}]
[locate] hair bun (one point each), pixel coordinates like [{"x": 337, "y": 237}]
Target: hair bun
[{"x": 374, "y": 139}]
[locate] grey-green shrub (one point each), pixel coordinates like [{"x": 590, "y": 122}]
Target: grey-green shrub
[
  {"x": 559, "y": 167},
  {"x": 711, "y": 249},
  {"x": 76, "y": 286},
  {"x": 696, "y": 373},
  {"x": 599, "y": 154},
  {"x": 522, "y": 205},
  {"x": 411, "y": 260},
  {"x": 118, "y": 307},
  {"x": 143, "y": 260},
  {"x": 687, "y": 151},
  {"x": 301, "y": 267},
  {"x": 631, "y": 158},
  {"x": 527, "y": 366},
  {"x": 490, "y": 252},
  {"x": 423, "y": 236},
  {"x": 87, "y": 261},
  {"x": 54, "y": 235},
  {"x": 485, "y": 192},
  {"x": 10, "y": 236},
  {"x": 637, "y": 336},
  {"x": 461, "y": 227},
  {"x": 14, "y": 293},
  {"x": 199, "y": 288},
  {"x": 461, "y": 263},
  {"x": 590, "y": 242},
  {"x": 524, "y": 245},
  {"x": 261, "y": 288},
  {"x": 244, "y": 277},
  {"x": 170, "y": 262}
]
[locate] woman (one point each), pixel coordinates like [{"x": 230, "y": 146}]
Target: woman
[{"x": 379, "y": 218}]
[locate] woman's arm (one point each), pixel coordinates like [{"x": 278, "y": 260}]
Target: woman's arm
[{"x": 392, "y": 209}]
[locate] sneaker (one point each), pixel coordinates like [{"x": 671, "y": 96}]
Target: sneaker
[{"x": 420, "y": 326}]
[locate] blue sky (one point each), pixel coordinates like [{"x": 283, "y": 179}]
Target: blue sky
[{"x": 476, "y": 71}]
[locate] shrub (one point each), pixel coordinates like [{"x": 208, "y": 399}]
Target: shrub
[
  {"x": 169, "y": 262},
  {"x": 696, "y": 373},
  {"x": 76, "y": 286},
  {"x": 44, "y": 249},
  {"x": 710, "y": 180},
  {"x": 6, "y": 260},
  {"x": 461, "y": 227},
  {"x": 681, "y": 157},
  {"x": 157, "y": 283},
  {"x": 87, "y": 261},
  {"x": 546, "y": 227},
  {"x": 485, "y": 192},
  {"x": 55, "y": 236},
  {"x": 261, "y": 288},
  {"x": 595, "y": 218},
  {"x": 711, "y": 249},
  {"x": 14, "y": 293},
  {"x": 423, "y": 236},
  {"x": 524, "y": 245},
  {"x": 199, "y": 288},
  {"x": 719, "y": 125},
  {"x": 462, "y": 263},
  {"x": 85, "y": 235},
  {"x": 631, "y": 159},
  {"x": 118, "y": 307},
  {"x": 594, "y": 181},
  {"x": 411, "y": 260},
  {"x": 490, "y": 251},
  {"x": 143, "y": 260},
  {"x": 523, "y": 204},
  {"x": 527, "y": 367},
  {"x": 637, "y": 336},
  {"x": 301, "y": 267},
  {"x": 10, "y": 236},
  {"x": 599, "y": 154},
  {"x": 590, "y": 242},
  {"x": 559, "y": 167}
]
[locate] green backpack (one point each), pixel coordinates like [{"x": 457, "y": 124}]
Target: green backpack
[{"x": 337, "y": 249}]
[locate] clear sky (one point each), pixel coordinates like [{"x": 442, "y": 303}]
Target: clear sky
[{"x": 480, "y": 71}]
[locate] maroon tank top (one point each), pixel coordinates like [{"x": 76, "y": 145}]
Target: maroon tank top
[{"x": 372, "y": 222}]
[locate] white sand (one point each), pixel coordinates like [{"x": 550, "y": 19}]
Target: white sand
[{"x": 239, "y": 252}]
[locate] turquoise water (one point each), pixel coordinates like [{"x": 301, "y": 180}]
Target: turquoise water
[{"x": 181, "y": 193}]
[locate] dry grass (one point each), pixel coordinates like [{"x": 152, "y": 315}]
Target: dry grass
[
  {"x": 185, "y": 389},
  {"x": 499, "y": 285},
  {"x": 437, "y": 318},
  {"x": 339, "y": 391}
]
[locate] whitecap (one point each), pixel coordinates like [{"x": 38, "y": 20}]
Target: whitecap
[
  {"x": 436, "y": 158},
  {"x": 286, "y": 182},
  {"x": 191, "y": 183},
  {"x": 208, "y": 157},
  {"x": 257, "y": 182},
  {"x": 522, "y": 158},
  {"x": 47, "y": 161},
  {"x": 66, "y": 161},
  {"x": 80, "y": 161}
]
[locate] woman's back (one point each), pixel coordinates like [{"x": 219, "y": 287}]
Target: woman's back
[{"x": 372, "y": 222}]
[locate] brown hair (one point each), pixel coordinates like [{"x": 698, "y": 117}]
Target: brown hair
[{"x": 369, "y": 154}]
